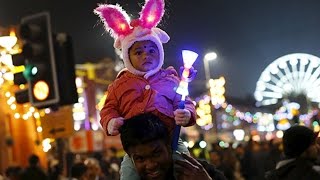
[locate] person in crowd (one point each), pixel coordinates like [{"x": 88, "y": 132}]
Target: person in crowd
[
  {"x": 94, "y": 170},
  {"x": 13, "y": 173},
  {"x": 109, "y": 163},
  {"x": 145, "y": 139},
  {"x": 79, "y": 171},
  {"x": 34, "y": 171},
  {"x": 301, "y": 151},
  {"x": 143, "y": 86}
]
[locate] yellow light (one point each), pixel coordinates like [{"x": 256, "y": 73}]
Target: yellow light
[
  {"x": 41, "y": 90},
  {"x": 18, "y": 69},
  {"x": 36, "y": 115},
  {"x": 16, "y": 115},
  {"x": 8, "y": 94},
  {"x": 122, "y": 26},
  {"x": 13, "y": 106},
  {"x": 8, "y": 41},
  {"x": 39, "y": 129},
  {"x": 31, "y": 109},
  {"x": 25, "y": 116},
  {"x": 22, "y": 86},
  {"x": 80, "y": 90}
]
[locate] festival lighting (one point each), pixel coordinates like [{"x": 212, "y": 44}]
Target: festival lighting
[{"x": 189, "y": 57}]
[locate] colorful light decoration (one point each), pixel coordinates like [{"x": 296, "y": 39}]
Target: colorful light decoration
[{"x": 189, "y": 57}]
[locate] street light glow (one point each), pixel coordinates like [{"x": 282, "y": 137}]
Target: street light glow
[{"x": 210, "y": 56}]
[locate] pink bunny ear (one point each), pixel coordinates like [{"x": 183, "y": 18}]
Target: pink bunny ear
[
  {"x": 115, "y": 19},
  {"x": 151, "y": 13}
]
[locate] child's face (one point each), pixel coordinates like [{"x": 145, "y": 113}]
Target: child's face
[{"x": 144, "y": 55}]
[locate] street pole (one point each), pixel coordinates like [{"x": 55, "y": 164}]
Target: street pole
[{"x": 207, "y": 71}]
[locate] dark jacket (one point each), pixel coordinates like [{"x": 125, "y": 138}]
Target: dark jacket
[
  {"x": 294, "y": 169},
  {"x": 212, "y": 171}
]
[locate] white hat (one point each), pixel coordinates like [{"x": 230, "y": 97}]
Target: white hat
[{"x": 116, "y": 21}]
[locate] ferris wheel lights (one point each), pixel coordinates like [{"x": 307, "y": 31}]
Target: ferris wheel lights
[
  {"x": 293, "y": 62},
  {"x": 287, "y": 87},
  {"x": 274, "y": 70},
  {"x": 314, "y": 63},
  {"x": 304, "y": 61},
  {"x": 266, "y": 77},
  {"x": 293, "y": 73},
  {"x": 283, "y": 65},
  {"x": 260, "y": 86}
]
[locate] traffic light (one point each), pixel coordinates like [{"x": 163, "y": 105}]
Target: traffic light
[
  {"x": 21, "y": 95},
  {"x": 64, "y": 56},
  {"x": 40, "y": 66},
  {"x": 48, "y": 61}
]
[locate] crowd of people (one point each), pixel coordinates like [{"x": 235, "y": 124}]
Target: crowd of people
[
  {"x": 295, "y": 157},
  {"x": 95, "y": 166}
]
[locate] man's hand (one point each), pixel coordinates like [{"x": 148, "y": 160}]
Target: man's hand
[
  {"x": 189, "y": 168},
  {"x": 114, "y": 125},
  {"x": 182, "y": 116}
]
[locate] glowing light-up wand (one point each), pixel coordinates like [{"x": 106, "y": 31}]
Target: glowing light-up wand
[{"x": 189, "y": 57}]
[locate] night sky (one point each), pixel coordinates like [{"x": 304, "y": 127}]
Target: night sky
[{"x": 247, "y": 35}]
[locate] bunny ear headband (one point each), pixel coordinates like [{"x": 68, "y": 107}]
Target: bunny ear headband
[{"x": 116, "y": 21}]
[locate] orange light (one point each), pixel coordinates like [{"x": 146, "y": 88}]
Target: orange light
[
  {"x": 41, "y": 90},
  {"x": 122, "y": 26},
  {"x": 12, "y": 32}
]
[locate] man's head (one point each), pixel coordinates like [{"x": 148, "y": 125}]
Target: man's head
[
  {"x": 33, "y": 160},
  {"x": 300, "y": 141},
  {"x": 145, "y": 139}
]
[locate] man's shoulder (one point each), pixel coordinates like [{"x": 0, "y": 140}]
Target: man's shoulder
[
  {"x": 213, "y": 172},
  {"x": 296, "y": 169}
]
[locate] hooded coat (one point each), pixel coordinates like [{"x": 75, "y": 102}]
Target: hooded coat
[
  {"x": 130, "y": 95},
  {"x": 294, "y": 169}
]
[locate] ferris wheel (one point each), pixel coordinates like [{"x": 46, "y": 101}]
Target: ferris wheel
[{"x": 293, "y": 73}]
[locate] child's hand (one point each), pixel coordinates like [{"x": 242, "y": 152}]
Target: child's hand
[
  {"x": 182, "y": 116},
  {"x": 114, "y": 125}
]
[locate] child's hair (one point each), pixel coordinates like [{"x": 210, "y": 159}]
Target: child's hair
[
  {"x": 127, "y": 32},
  {"x": 142, "y": 129}
]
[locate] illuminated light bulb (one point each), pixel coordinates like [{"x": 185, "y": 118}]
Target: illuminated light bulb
[
  {"x": 25, "y": 117},
  {"x": 29, "y": 114},
  {"x": 190, "y": 144},
  {"x": 39, "y": 129},
  {"x": 122, "y": 26},
  {"x": 202, "y": 144},
  {"x": 78, "y": 82},
  {"x": 279, "y": 134},
  {"x": 94, "y": 126},
  {"x": 47, "y": 110},
  {"x": 189, "y": 57},
  {"x": 36, "y": 115},
  {"x": 151, "y": 18},
  {"x": 8, "y": 94},
  {"x": 16, "y": 115},
  {"x": 76, "y": 126},
  {"x": 13, "y": 106},
  {"x": 42, "y": 113},
  {"x": 31, "y": 109},
  {"x": 80, "y": 99},
  {"x": 80, "y": 90},
  {"x": 22, "y": 86}
]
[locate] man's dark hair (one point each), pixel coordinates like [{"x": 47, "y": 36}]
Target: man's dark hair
[
  {"x": 78, "y": 169},
  {"x": 142, "y": 129},
  {"x": 297, "y": 139},
  {"x": 33, "y": 160}
]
